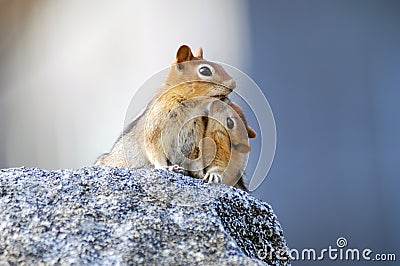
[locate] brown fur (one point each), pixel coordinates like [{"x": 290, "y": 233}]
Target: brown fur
[
  {"x": 189, "y": 120},
  {"x": 166, "y": 102},
  {"x": 231, "y": 145},
  {"x": 205, "y": 147},
  {"x": 140, "y": 143}
]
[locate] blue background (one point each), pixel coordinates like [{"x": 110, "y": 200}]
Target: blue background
[{"x": 331, "y": 73}]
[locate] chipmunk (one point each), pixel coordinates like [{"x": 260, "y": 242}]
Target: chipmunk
[
  {"x": 189, "y": 76},
  {"x": 228, "y": 128}
]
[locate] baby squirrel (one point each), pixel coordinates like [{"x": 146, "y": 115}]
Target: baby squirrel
[
  {"x": 212, "y": 140},
  {"x": 189, "y": 76},
  {"x": 228, "y": 128}
]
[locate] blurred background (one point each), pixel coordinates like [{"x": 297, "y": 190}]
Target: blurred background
[{"x": 329, "y": 69}]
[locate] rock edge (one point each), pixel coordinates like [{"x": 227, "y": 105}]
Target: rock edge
[{"x": 111, "y": 215}]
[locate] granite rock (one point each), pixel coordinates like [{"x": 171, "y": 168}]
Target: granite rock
[{"x": 120, "y": 216}]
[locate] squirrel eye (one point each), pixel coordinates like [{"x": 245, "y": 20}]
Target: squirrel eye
[
  {"x": 205, "y": 71},
  {"x": 230, "y": 123}
]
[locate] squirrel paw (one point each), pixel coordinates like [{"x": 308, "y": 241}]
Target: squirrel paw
[
  {"x": 173, "y": 168},
  {"x": 212, "y": 178}
]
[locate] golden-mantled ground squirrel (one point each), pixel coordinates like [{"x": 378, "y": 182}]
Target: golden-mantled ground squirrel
[
  {"x": 228, "y": 128},
  {"x": 211, "y": 140},
  {"x": 189, "y": 76}
]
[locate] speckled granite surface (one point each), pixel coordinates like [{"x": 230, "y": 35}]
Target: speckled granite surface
[{"x": 109, "y": 215}]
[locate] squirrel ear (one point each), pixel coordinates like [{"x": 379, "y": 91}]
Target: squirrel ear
[
  {"x": 216, "y": 106},
  {"x": 199, "y": 53},
  {"x": 251, "y": 133},
  {"x": 183, "y": 54},
  {"x": 213, "y": 106},
  {"x": 209, "y": 107}
]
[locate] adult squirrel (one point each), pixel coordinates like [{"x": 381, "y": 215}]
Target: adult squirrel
[
  {"x": 211, "y": 141},
  {"x": 189, "y": 76},
  {"x": 189, "y": 122},
  {"x": 229, "y": 130}
]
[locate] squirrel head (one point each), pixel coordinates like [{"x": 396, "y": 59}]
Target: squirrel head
[
  {"x": 230, "y": 118},
  {"x": 193, "y": 67},
  {"x": 251, "y": 133}
]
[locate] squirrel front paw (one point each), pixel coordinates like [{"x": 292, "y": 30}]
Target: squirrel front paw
[
  {"x": 212, "y": 178},
  {"x": 173, "y": 168}
]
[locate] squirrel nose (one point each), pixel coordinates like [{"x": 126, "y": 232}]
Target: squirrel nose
[{"x": 230, "y": 83}]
